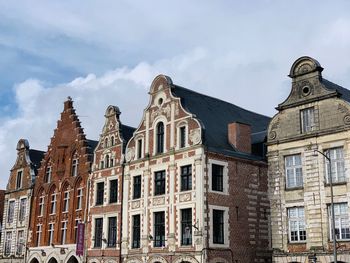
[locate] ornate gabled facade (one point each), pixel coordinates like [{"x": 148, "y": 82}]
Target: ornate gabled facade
[
  {"x": 60, "y": 192},
  {"x": 18, "y": 196},
  {"x": 106, "y": 184},
  {"x": 312, "y": 122},
  {"x": 195, "y": 189}
]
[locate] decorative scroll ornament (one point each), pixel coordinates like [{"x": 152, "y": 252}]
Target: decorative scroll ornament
[
  {"x": 135, "y": 204},
  {"x": 272, "y": 135},
  {"x": 347, "y": 119},
  {"x": 158, "y": 201},
  {"x": 130, "y": 154},
  {"x": 185, "y": 197},
  {"x": 195, "y": 136},
  {"x": 161, "y": 111}
]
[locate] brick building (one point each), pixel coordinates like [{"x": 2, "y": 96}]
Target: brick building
[
  {"x": 313, "y": 121},
  {"x": 18, "y": 196},
  {"x": 195, "y": 183},
  {"x": 60, "y": 192},
  {"x": 105, "y": 200}
]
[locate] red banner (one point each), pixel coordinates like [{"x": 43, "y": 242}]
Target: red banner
[{"x": 80, "y": 239}]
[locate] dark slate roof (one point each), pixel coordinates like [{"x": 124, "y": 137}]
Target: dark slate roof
[
  {"x": 36, "y": 157},
  {"x": 92, "y": 145},
  {"x": 344, "y": 93},
  {"x": 215, "y": 115},
  {"x": 127, "y": 132}
]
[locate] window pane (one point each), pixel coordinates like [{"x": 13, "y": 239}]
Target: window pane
[{"x": 217, "y": 177}]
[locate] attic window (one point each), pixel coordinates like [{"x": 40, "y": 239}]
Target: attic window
[
  {"x": 306, "y": 90},
  {"x": 160, "y": 101}
]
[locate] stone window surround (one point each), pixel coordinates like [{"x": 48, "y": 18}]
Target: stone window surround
[
  {"x": 137, "y": 150},
  {"x": 179, "y": 164},
  {"x": 131, "y": 214},
  {"x": 226, "y": 226},
  {"x": 178, "y": 233},
  {"x": 114, "y": 177},
  {"x": 154, "y": 128},
  {"x": 104, "y": 229},
  {"x": 22, "y": 175},
  {"x": 224, "y": 177},
  {"x": 96, "y": 181},
  {"x": 182, "y": 123}
]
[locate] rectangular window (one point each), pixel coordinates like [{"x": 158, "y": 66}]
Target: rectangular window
[
  {"x": 98, "y": 232},
  {"x": 139, "y": 149},
  {"x": 79, "y": 198},
  {"x": 338, "y": 169},
  {"x": 8, "y": 240},
  {"x": 75, "y": 167},
  {"x": 38, "y": 235},
  {"x": 63, "y": 232},
  {"x": 159, "y": 229},
  {"x": 66, "y": 201},
  {"x": 136, "y": 233},
  {"x": 20, "y": 242},
  {"x": 41, "y": 205},
  {"x": 137, "y": 187},
  {"x": 10, "y": 211},
  {"x": 77, "y": 220},
  {"x": 294, "y": 172},
  {"x": 182, "y": 137},
  {"x": 51, "y": 230},
  {"x": 307, "y": 119},
  {"x": 296, "y": 222},
  {"x": 53, "y": 203},
  {"x": 19, "y": 180},
  {"x": 186, "y": 226},
  {"x": 217, "y": 177},
  {"x": 99, "y": 193},
  {"x": 113, "y": 191},
  {"x": 342, "y": 224},
  {"x": 159, "y": 183},
  {"x": 218, "y": 226},
  {"x": 48, "y": 175},
  {"x": 186, "y": 178},
  {"x": 112, "y": 231},
  {"x": 22, "y": 209}
]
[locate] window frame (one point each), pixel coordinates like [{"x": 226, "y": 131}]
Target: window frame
[
  {"x": 160, "y": 137},
  {"x": 159, "y": 229},
  {"x": 307, "y": 120},
  {"x": 22, "y": 211},
  {"x": 336, "y": 162},
  {"x": 10, "y": 211},
  {"x": 112, "y": 232},
  {"x": 51, "y": 231},
  {"x": 339, "y": 221},
  {"x": 215, "y": 185},
  {"x": 186, "y": 222},
  {"x": 99, "y": 193},
  {"x": 159, "y": 182},
  {"x": 98, "y": 235},
  {"x": 294, "y": 180},
  {"x": 64, "y": 225},
  {"x": 298, "y": 222},
  {"x": 218, "y": 238},
  {"x": 136, "y": 232},
  {"x": 113, "y": 192},
  {"x": 19, "y": 179},
  {"x": 79, "y": 198},
  {"x": 186, "y": 178},
  {"x": 137, "y": 187}
]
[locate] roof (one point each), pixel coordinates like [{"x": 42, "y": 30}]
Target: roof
[
  {"x": 216, "y": 114},
  {"x": 343, "y": 92},
  {"x": 36, "y": 157},
  {"x": 127, "y": 132},
  {"x": 92, "y": 145}
]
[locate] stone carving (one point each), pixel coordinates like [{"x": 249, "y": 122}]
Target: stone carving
[
  {"x": 161, "y": 110},
  {"x": 347, "y": 119},
  {"x": 185, "y": 197},
  {"x": 177, "y": 110},
  {"x": 130, "y": 154},
  {"x": 342, "y": 108},
  {"x": 195, "y": 136},
  {"x": 275, "y": 124},
  {"x": 272, "y": 135},
  {"x": 135, "y": 204},
  {"x": 158, "y": 201}
]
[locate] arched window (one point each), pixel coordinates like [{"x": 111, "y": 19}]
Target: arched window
[
  {"x": 53, "y": 201},
  {"x": 106, "y": 142},
  {"x": 107, "y": 161},
  {"x": 41, "y": 203},
  {"x": 160, "y": 137},
  {"x": 75, "y": 163},
  {"x": 66, "y": 198},
  {"x": 112, "y": 140},
  {"x": 111, "y": 162},
  {"x": 48, "y": 172}
]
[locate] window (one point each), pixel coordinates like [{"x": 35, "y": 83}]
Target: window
[
  {"x": 186, "y": 178},
  {"x": 10, "y": 211},
  {"x": 139, "y": 148},
  {"x": 296, "y": 222},
  {"x": 112, "y": 140},
  {"x": 218, "y": 226},
  {"x": 53, "y": 203},
  {"x": 48, "y": 174},
  {"x": 182, "y": 137},
  {"x": 99, "y": 193},
  {"x": 106, "y": 142},
  {"x": 41, "y": 205},
  {"x": 186, "y": 226},
  {"x": 79, "y": 198},
  {"x": 217, "y": 177},
  {"x": 75, "y": 167},
  {"x": 63, "y": 232},
  {"x": 294, "y": 172},
  {"x": 107, "y": 161},
  {"x": 38, "y": 235},
  {"x": 338, "y": 170},
  {"x": 307, "y": 119},
  {"x": 102, "y": 164},
  {"x": 8, "y": 240},
  {"x": 66, "y": 201},
  {"x": 20, "y": 242},
  {"x": 159, "y": 183},
  {"x": 112, "y": 232},
  {"x": 98, "y": 232},
  {"x": 342, "y": 224},
  {"x": 113, "y": 191},
  {"x": 19, "y": 179},
  {"x": 77, "y": 220},
  {"x": 137, "y": 187},
  {"x": 51, "y": 230},
  {"x": 136, "y": 233},
  {"x": 22, "y": 209},
  {"x": 160, "y": 138},
  {"x": 159, "y": 229},
  {"x": 111, "y": 162}
]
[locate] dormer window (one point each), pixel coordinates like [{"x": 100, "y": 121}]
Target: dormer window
[
  {"x": 48, "y": 174},
  {"x": 75, "y": 167},
  {"x": 112, "y": 140},
  {"x": 182, "y": 137},
  {"x": 106, "y": 161},
  {"x": 307, "y": 117},
  {"x": 139, "y": 148},
  {"x": 102, "y": 164},
  {"x": 19, "y": 179},
  {"x": 160, "y": 137}
]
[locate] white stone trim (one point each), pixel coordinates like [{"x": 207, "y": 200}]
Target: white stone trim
[
  {"x": 159, "y": 119},
  {"x": 179, "y": 207},
  {"x": 226, "y": 226},
  {"x": 182, "y": 123},
  {"x": 224, "y": 177},
  {"x": 108, "y": 183}
]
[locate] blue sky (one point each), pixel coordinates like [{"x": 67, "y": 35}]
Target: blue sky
[{"x": 108, "y": 52}]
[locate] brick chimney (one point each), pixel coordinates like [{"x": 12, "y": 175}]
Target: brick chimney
[{"x": 239, "y": 136}]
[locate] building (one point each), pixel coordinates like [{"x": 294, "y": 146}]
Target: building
[
  {"x": 61, "y": 192},
  {"x": 105, "y": 200},
  {"x": 18, "y": 197},
  {"x": 313, "y": 121},
  {"x": 195, "y": 182}
]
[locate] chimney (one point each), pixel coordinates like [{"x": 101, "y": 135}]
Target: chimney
[{"x": 239, "y": 136}]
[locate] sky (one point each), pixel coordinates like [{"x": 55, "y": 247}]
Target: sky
[{"x": 108, "y": 52}]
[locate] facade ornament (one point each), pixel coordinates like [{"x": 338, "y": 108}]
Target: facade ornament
[
  {"x": 130, "y": 154},
  {"x": 195, "y": 136}
]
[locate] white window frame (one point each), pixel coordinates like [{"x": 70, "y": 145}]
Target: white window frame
[
  {"x": 20, "y": 242},
  {"x": 80, "y": 195},
  {"x": 307, "y": 119},
  {"x": 179, "y": 226},
  {"x": 11, "y": 211},
  {"x": 53, "y": 203},
  {"x": 225, "y": 178},
  {"x": 226, "y": 226},
  {"x": 341, "y": 216},
  {"x": 75, "y": 164},
  {"x": 95, "y": 191},
  {"x": 41, "y": 205},
  {"x": 155, "y": 143},
  {"x": 66, "y": 195},
  {"x": 22, "y": 211},
  {"x": 338, "y": 164},
  {"x": 298, "y": 180},
  {"x": 139, "y": 150},
  {"x": 178, "y": 137},
  {"x": 48, "y": 174},
  {"x": 64, "y": 232},
  {"x": 297, "y": 221},
  {"x": 19, "y": 172},
  {"x": 8, "y": 243},
  {"x": 51, "y": 231},
  {"x": 39, "y": 229}
]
